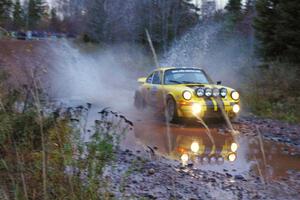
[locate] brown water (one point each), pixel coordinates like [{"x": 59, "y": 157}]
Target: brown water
[{"x": 211, "y": 150}]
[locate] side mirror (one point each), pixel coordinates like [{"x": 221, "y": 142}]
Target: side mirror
[
  {"x": 219, "y": 82},
  {"x": 141, "y": 80}
]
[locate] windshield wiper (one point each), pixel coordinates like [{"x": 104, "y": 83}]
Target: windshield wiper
[
  {"x": 190, "y": 82},
  {"x": 173, "y": 81}
]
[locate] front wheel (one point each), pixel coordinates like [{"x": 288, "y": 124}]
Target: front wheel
[{"x": 171, "y": 110}]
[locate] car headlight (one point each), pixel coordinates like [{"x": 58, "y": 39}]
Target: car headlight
[
  {"x": 208, "y": 92},
  {"x": 200, "y": 92},
  {"x": 187, "y": 95},
  {"x": 235, "y": 95},
  {"x": 236, "y": 108},
  {"x": 223, "y": 92},
  {"x": 216, "y": 92}
]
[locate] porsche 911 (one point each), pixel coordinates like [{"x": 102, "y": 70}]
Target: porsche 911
[{"x": 186, "y": 93}]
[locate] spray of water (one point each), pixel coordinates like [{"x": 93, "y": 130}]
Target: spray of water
[
  {"x": 201, "y": 47},
  {"x": 106, "y": 77}
]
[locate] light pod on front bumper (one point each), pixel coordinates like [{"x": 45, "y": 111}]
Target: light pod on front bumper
[
  {"x": 200, "y": 92},
  {"x": 208, "y": 92},
  {"x": 223, "y": 92},
  {"x": 216, "y": 92}
]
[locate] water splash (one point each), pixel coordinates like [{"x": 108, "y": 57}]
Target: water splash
[{"x": 106, "y": 77}]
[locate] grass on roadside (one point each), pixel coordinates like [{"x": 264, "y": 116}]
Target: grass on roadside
[
  {"x": 273, "y": 91},
  {"x": 42, "y": 152}
]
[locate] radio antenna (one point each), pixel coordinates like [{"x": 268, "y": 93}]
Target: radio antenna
[{"x": 152, "y": 49}]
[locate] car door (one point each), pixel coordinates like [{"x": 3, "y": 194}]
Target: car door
[
  {"x": 147, "y": 89},
  {"x": 155, "y": 94}
]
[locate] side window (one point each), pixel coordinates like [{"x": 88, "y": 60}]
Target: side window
[
  {"x": 156, "y": 78},
  {"x": 149, "y": 79}
]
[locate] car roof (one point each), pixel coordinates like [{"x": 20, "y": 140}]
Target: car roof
[{"x": 167, "y": 68}]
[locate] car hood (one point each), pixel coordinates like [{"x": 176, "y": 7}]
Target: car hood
[{"x": 195, "y": 86}]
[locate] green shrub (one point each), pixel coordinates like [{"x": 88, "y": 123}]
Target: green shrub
[
  {"x": 273, "y": 90},
  {"x": 42, "y": 153}
]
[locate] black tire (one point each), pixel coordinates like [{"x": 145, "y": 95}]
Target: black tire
[
  {"x": 139, "y": 101},
  {"x": 171, "y": 110}
]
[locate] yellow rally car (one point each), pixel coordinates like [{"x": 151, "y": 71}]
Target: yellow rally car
[{"x": 186, "y": 93}]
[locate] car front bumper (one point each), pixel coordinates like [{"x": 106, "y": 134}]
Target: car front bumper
[{"x": 206, "y": 109}]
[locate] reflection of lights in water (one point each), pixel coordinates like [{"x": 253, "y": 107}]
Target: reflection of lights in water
[
  {"x": 195, "y": 147},
  {"x": 184, "y": 158},
  {"x": 197, "y": 160},
  {"x": 234, "y": 147},
  {"x": 196, "y": 108},
  {"x": 213, "y": 160},
  {"x": 205, "y": 159},
  {"x": 220, "y": 160},
  {"x": 231, "y": 157},
  {"x": 236, "y": 108}
]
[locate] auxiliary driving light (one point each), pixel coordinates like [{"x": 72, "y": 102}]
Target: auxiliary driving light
[
  {"x": 216, "y": 92},
  {"x": 196, "y": 108},
  {"x": 234, "y": 147},
  {"x": 231, "y": 157},
  {"x": 195, "y": 147},
  {"x": 200, "y": 92},
  {"x": 223, "y": 92},
  {"x": 208, "y": 92},
  {"x": 236, "y": 108}
]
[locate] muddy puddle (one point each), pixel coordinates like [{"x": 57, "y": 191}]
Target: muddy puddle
[{"x": 216, "y": 149}]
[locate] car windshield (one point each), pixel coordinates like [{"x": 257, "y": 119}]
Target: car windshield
[{"x": 185, "y": 76}]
